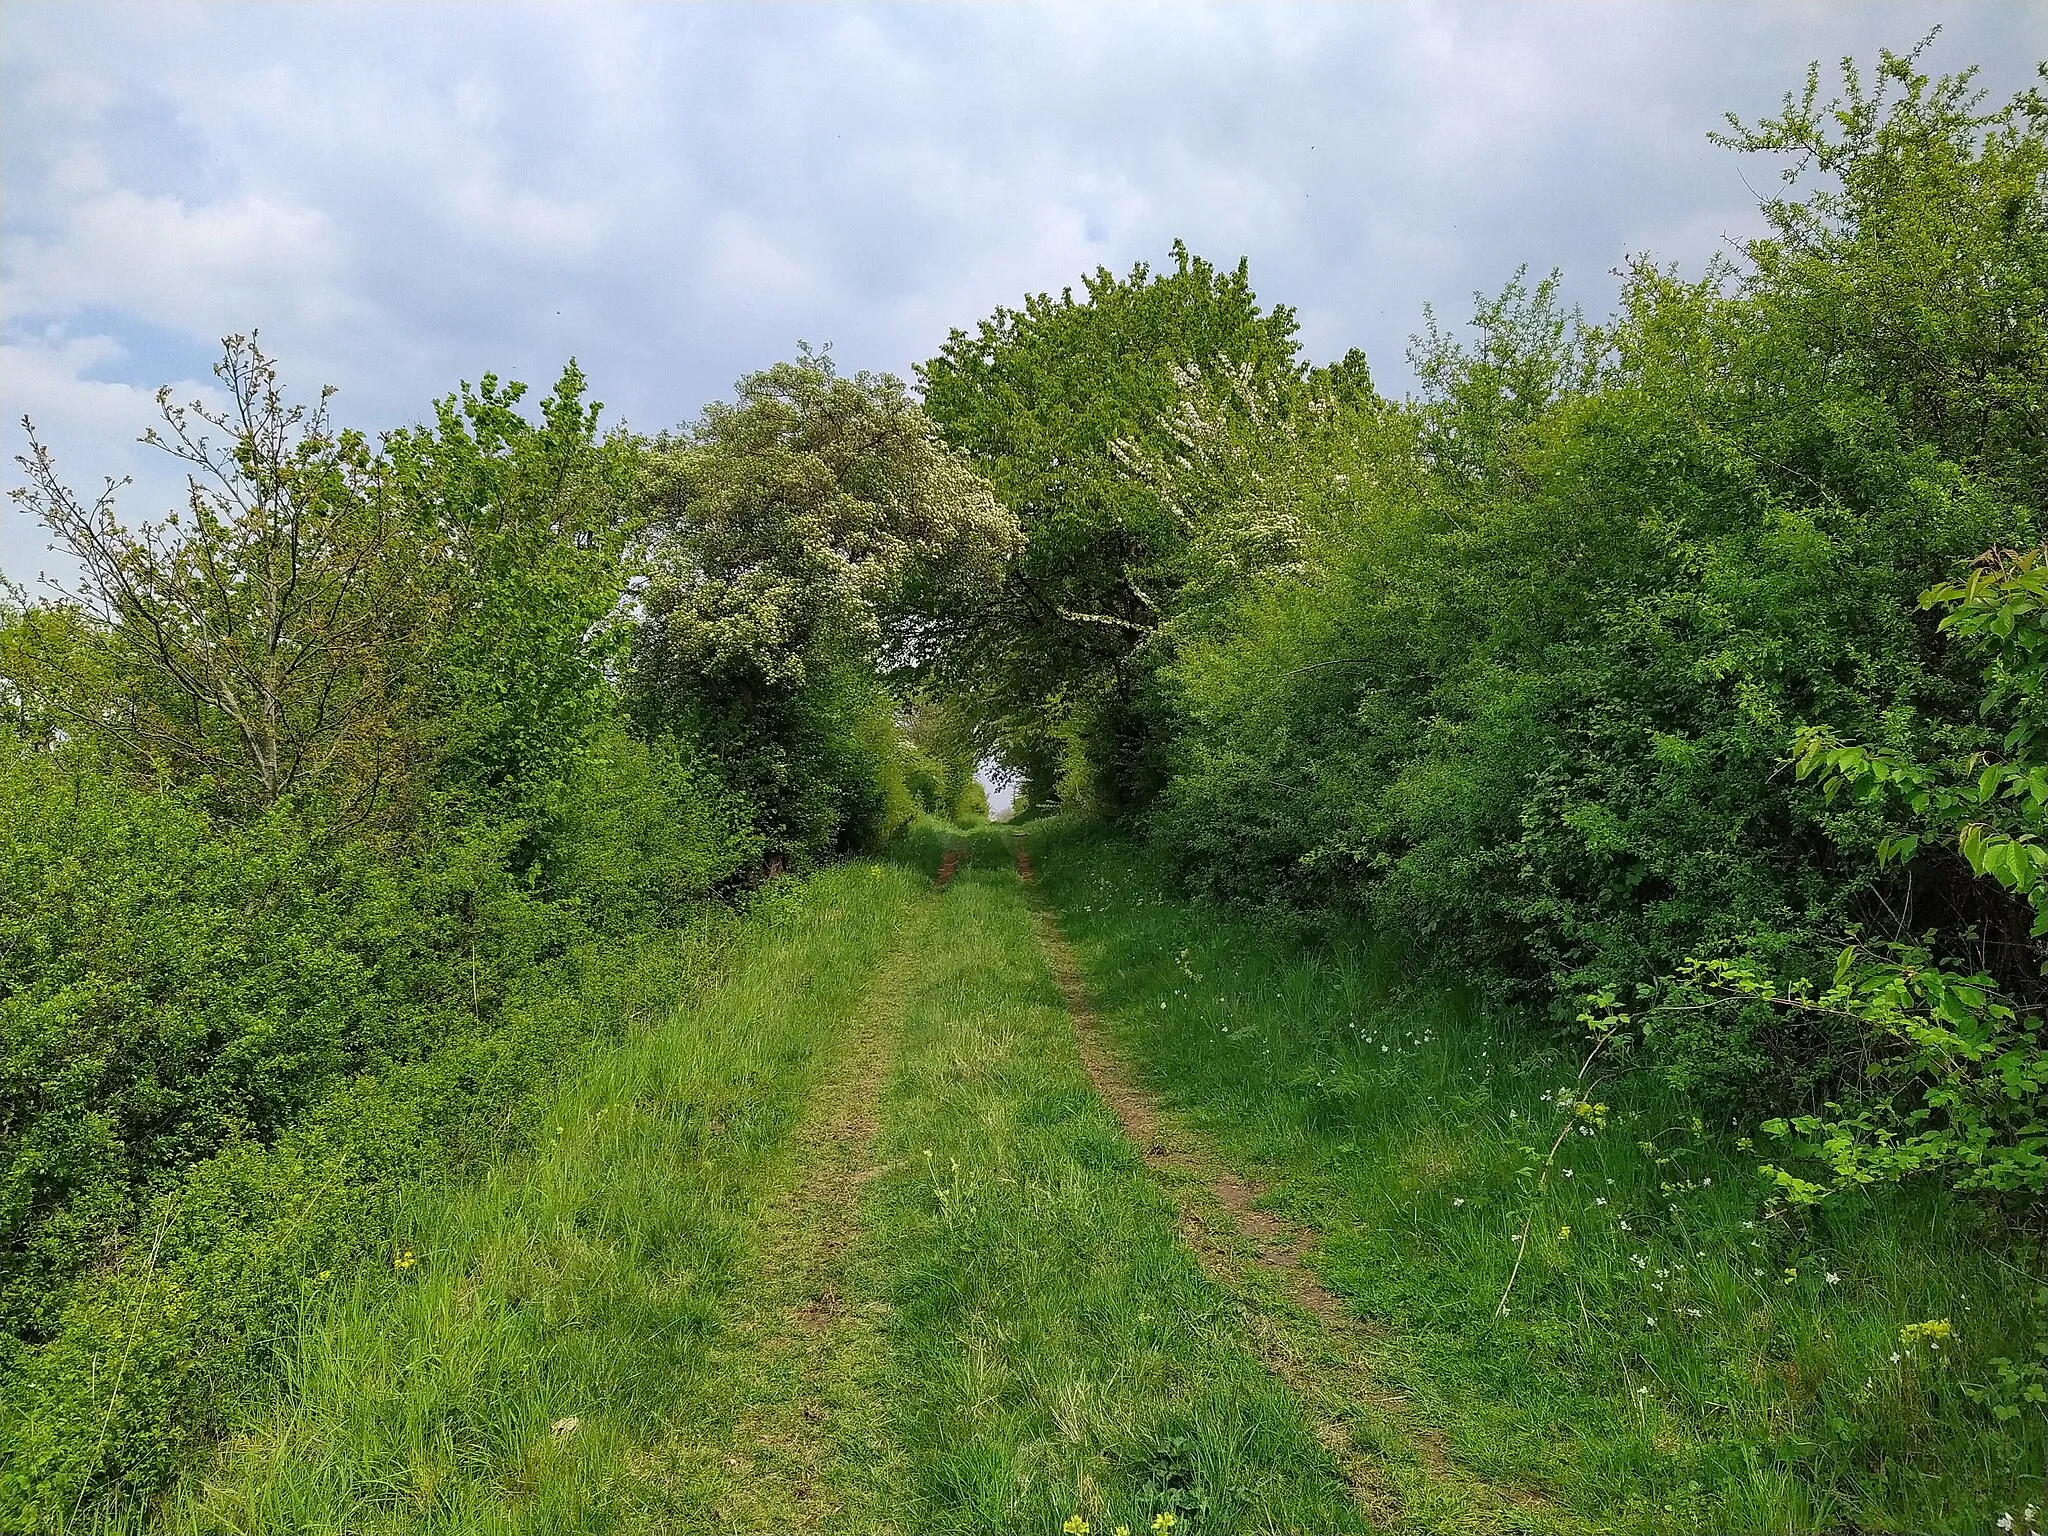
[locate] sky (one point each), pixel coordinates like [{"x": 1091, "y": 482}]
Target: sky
[{"x": 400, "y": 197}]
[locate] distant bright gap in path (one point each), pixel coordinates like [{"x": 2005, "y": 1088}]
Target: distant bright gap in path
[{"x": 1000, "y": 796}]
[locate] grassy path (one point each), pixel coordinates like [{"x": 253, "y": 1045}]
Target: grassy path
[
  {"x": 786, "y": 1415},
  {"x": 905, "y": 1229},
  {"x": 1399, "y": 1471},
  {"x": 543, "y": 1342},
  {"x": 1679, "y": 1353},
  {"x": 1055, "y": 1349},
  {"x": 851, "y": 1246}
]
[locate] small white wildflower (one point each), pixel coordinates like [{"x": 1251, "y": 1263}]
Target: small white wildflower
[
  {"x": 1833, "y": 1278},
  {"x": 1649, "y": 1322},
  {"x": 1459, "y": 1201}
]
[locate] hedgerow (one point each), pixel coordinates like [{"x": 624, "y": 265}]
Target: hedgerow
[
  {"x": 325, "y": 803},
  {"x": 1522, "y": 667}
]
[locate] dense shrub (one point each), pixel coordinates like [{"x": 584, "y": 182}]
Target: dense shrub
[
  {"x": 1537, "y": 700},
  {"x": 318, "y": 804},
  {"x": 1519, "y": 668},
  {"x": 226, "y": 1048},
  {"x": 170, "y": 988},
  {"x": 1956, "y": 1076},
  {"x": 643, "y": 833}
]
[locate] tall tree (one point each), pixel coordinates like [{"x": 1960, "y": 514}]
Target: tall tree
[
  {"x": 1041, "y": 398},
  {"x": 259, "y": 638},
  {"x": 795, "y": 535},
  {"x": 529, "y": 520}
]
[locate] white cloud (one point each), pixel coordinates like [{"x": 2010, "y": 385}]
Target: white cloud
[
  {"x": 169, "y": 264},
  {"x": 91, "y": 426},
  {"x": 401, "y": 196}
]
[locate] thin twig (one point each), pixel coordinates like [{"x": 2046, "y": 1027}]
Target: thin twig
[
  {"x": 1543, "y": 1179},
  {"x": 128, "y": 1350},
  {"x": 1317, "y": 666}
]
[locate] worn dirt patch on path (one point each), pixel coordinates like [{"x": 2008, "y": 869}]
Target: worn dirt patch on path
[
  {"x": 771, "y": 1451},
  {"x": 947, "y": 865},
  {"x": 1325, "y": 1356},
  {"x": 1276, "y": 1244}
]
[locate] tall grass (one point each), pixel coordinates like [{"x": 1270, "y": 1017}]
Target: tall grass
[
  {"x": 1677, "y": 1352},
  {"x": 511, "y": 1361}
]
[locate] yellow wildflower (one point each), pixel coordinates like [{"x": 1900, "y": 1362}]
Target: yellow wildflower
[{"x": 1075, "y": 1526}]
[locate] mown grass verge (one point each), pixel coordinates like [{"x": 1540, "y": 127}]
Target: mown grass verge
[
  {"x": 515, "y": 1353},
  {"x": 1677, "y": 1352}
]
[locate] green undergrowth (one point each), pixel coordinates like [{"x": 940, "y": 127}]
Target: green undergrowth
[
  {"x": 1055, "y": 1351},
  {"x": 511, "y": 1351},
  {"x": 197, "y": 1308},
  {"x": 1678, "y": 1352}
]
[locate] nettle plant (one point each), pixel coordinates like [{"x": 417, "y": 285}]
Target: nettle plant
[{"x": 1958, "y": 1071}]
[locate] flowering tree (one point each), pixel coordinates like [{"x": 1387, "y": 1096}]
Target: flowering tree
[{"x": 798, "y": 537}]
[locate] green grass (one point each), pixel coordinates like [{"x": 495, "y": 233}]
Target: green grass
[
  {"x": 850, "y": 1243},
  {"x": 518, "y": 1360},
  {"x": 1054, "y": 1349},
  {"x": 1688, "y": 1357},
  {"x": 926, "y": 841},
  {"x": 761, "y": 1313}
]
